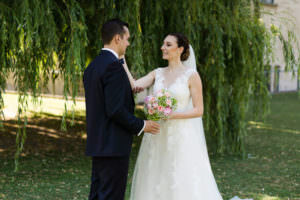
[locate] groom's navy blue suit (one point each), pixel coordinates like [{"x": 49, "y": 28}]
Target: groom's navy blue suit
[{"x": 110, "y": 125}]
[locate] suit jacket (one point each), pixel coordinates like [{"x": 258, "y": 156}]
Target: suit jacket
[{"x": 109, "y": 108}]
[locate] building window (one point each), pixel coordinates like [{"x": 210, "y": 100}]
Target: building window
[
  {"x": 267, "y": 1},
  {"x": 276, "y": 78},
  {"x": 298, "y": 82}
]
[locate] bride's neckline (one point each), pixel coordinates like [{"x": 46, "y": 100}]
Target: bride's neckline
[
  {"x": 163, "y": 75},
  {"x": 173, "y": 69}
]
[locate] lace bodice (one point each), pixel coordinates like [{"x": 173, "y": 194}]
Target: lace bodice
[{"x": 179, "y": 88}]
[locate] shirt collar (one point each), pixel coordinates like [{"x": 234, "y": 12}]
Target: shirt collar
[{"x": 112, "y": 51}]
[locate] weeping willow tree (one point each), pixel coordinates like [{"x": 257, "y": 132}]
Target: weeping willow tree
[{"x": 233, "y": 49}]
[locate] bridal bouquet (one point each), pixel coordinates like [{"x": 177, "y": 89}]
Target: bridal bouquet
[{"x": 160, "y": 105}]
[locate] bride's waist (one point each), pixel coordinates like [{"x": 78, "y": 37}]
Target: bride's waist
[{"x": 180, "y": 121}]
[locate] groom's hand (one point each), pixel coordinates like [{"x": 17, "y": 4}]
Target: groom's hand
[{"x": 152, "y": 127}]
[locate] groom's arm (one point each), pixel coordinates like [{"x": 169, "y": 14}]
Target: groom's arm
[{"x": 114, "y": 80}]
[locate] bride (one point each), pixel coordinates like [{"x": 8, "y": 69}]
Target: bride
[{"x": 174, "y": 164}]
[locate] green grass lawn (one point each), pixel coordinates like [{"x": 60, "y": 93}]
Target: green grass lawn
[{"x": 53, "y": 165}]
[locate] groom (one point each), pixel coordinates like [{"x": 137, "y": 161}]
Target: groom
[{"x": 111, "y": 124}]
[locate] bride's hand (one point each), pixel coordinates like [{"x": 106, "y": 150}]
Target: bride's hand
[
  {"x": 138, "y": 89},
  {"x": 172, "y": 116}
]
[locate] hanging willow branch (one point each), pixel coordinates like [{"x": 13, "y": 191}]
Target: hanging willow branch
[{"x": 233, "y": 49}]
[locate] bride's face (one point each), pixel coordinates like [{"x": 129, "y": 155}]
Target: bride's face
[{"x": 170, "y": 49}]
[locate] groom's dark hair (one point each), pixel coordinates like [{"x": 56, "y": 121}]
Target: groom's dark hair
[{"x": 111, "y": 28}]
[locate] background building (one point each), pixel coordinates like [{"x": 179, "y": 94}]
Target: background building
[{"x": 285, "y": 14}]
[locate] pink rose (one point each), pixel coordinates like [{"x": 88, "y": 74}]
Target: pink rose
[
  {"x": 155, "y": 105},
  {"x": 152, "y": 99},
  {"x": 160, "y": 108},
  {"x": 149, "y": 106},
  {"x": 150, "y": 111},
  {"x": 169, "y": 102},
  {"x": 167, "y": 111}
]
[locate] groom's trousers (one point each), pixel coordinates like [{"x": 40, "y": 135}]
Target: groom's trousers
[{"x": 109, "y": 178}]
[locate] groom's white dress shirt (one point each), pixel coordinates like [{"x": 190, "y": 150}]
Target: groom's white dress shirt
[{"x": 115, "y": 54}]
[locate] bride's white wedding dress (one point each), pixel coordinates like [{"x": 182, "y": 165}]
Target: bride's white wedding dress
[{"x": 174, "y": 165}]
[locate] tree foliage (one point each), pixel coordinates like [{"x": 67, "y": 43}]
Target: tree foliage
[{"x": 233, "y": 49}]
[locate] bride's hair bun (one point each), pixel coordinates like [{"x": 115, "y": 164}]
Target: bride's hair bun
[{"x": 182, "y": 41}]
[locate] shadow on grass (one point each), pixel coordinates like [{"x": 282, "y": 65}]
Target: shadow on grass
[
  {"x": 44, "y": 136},
  {"x": 52, "y": 165},
  {"x": 269, "y": 127}
]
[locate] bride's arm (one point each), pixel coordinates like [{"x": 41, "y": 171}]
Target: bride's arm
[
  {"x": 144, "y": 82},
  {"x": 195, "y": 86},
  {"x": 131, "y": 79}
]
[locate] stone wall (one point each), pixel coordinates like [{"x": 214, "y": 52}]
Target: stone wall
[{"x": 286, "y": 16}]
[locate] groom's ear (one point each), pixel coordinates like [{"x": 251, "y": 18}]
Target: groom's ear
[{"x": 116, "y": 39}]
